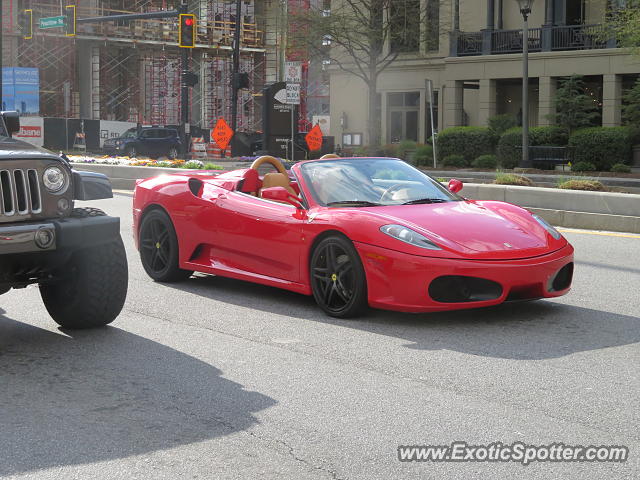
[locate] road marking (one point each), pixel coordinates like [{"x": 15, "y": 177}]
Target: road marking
[{"x": 602, "y": 234}]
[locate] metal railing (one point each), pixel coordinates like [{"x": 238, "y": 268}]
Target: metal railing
[
  {"x": 511, "y": 41},
  {"x": 469, "y": 43},
  {"x": 544, "y": 39},
  {"x": 579, "y": 37}
]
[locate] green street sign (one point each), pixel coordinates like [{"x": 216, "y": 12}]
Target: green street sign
[{"x": 52, "y": 22}]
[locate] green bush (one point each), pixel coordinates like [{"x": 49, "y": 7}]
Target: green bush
[
  {"x": 510, "y": 143},
  {"x": 602, "y": 146},
  {"x": 390, "y": 150},
  {"x": 621, "y": 168},
  {"x": 486, "y": 161},
  {"x": 501, "y": 123},
  {"x": 193, "y": 165},
  {"x": 424, "y": 155},
  {"x": 588, "y": 185},
  {"x": 404, "y": 147},
  {"x": 512, "y": 179},
  {"x": 470, "y": 142},
  {"x": 212, "y": 166},
  {"x": 583, "y": 167},
  {"x": 457, "y": 161}
]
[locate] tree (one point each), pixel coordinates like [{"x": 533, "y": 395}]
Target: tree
[
  {"x": 574, "y": 107},
  {"x": 364, "y": 37},
  {"x": 624, "y": 21},
  {"x": 631, "y": 106}
]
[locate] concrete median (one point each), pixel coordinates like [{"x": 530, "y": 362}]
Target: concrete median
[{"x": 619, "y": 212}]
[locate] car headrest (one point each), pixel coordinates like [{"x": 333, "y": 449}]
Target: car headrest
[{"x": 250, "y": 182}]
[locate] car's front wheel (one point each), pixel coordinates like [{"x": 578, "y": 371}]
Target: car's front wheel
[
  {"x": 338, "y": 279},
  {"x": 131, "y": 151},
  {"x": 92, "y": 287},
  {"x": 159, "y": 248},
  {"x": 172, "y": 154}
]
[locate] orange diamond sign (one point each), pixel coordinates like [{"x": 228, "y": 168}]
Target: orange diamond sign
[
  {"x": 222, "y": 134},
  {"x": 314, "y": 138}
]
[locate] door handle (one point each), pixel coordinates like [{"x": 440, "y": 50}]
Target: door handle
[{"x": 222, "y": 196}]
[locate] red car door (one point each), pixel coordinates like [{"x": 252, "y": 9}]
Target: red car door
[{"x": 258, "y": 236}]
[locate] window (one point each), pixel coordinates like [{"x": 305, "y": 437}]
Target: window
[
  {"x": 432, "y": 33},
  {"x": 404, "y": 21},
  {"x": 403, "y": 116}
]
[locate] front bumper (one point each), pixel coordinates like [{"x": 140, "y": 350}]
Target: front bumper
[
  {"x": 112, "y": 149},
  {"x": 66, "y": 234},
  {"x": 23, "y": 261},
  {"x": 399, "y": 281}
]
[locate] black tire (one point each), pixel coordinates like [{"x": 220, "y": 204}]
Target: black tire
[
  {"x": 159, "y": 248},
  {"x": 130, "y": 151},
  {"x": 172, "y": 154},
  {"x": 93, "y": 289},
  {"x": 338, "y": 279}
]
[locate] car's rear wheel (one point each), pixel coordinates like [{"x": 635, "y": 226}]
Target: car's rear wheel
[
  {"x": 172, "y": 154},
  {"x": 338, "y": 279},
  {"x": 159, "y": 248}
]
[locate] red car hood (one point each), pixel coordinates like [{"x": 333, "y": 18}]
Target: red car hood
[{"x": 479, "y": 230}]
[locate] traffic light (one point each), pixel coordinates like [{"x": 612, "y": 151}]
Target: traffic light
[
  {"x": 187, "y": 30},
  {"x": 26, "y": 24},
  {"x": 240, "y": 80},
  {"x": 70, "y": 21}
]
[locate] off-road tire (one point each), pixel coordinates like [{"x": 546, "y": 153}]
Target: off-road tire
[{"x": 93, "y": 287}]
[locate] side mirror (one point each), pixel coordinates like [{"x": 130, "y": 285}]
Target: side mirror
[
  {"x": 455, "y": 185},
  {"x": 280, "y": 194},
  {"x": 12, "y": 122}
]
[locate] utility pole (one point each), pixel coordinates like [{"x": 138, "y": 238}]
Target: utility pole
[
  {"x": 236, "y": 74},
  {"x": 184, "y": 92}
]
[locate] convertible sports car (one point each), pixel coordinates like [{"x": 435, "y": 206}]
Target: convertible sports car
[{"x": 351, "y": 232}]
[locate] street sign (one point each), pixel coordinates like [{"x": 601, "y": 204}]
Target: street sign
[
  {"x": 222, "y": 134},
  {"x": 293, "y": 72},
  {"x": 293, "y": 94},
  {"x": 52, "y": 22},
  {"x": 314, "y": 138}
]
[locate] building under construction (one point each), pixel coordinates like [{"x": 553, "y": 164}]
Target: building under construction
[{"x": 130, "y": 71}]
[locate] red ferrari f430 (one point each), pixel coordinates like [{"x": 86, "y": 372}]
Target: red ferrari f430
[{"x": 352, "y": 232}]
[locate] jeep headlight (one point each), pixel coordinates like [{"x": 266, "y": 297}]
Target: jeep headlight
[
  {"x": 407, "y": 235},
  {"x": 54, "y": 179}
]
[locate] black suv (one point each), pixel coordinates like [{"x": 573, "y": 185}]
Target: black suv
[
  {"x": 149, "y": 141},
  {"x": 76, "y": 255}
]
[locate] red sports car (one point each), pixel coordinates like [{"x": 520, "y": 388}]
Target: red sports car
[{"x": 352, "y": 232}]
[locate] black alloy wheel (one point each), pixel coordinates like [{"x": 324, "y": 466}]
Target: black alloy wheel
[
  {"x": 338, "y": 280},
  {"x": 159, "y": 248}
]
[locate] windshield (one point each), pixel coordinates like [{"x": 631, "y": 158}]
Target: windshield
[
  {"x": 371, "y": 182},
  {"x": 131, "y": 133}
]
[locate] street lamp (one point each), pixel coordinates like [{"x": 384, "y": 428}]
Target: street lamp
[{"x": 525, "y": 9}]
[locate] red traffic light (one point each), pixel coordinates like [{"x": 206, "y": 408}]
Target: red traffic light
[{"x": 188, "y": 22}]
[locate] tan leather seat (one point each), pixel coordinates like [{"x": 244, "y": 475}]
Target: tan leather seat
[{"x": 277, "y": 180}]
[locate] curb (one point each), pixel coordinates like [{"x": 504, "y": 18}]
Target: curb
[{"x": 616, "y": 212}]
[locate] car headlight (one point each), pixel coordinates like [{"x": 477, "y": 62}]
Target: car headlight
[
  {"x": 118, "y": 142},
  {"x": 405, "y": 234},
  {"x": 548, "y": 227},
  {"x": 54, "y": 179}
]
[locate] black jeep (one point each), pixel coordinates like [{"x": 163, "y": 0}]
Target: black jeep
[{"x": 76, "y": 255}]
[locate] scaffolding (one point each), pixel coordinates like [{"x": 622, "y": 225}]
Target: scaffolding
[{"x": 131, "y": 71}]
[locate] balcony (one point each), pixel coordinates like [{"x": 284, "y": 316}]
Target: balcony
[{"x": 543, "y": 39}]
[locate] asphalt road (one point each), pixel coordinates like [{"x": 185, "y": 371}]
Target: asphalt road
[{"x": 216, "y": 378}]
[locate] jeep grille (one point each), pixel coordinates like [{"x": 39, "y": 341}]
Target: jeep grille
[{"x": 20, "y": 192}]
